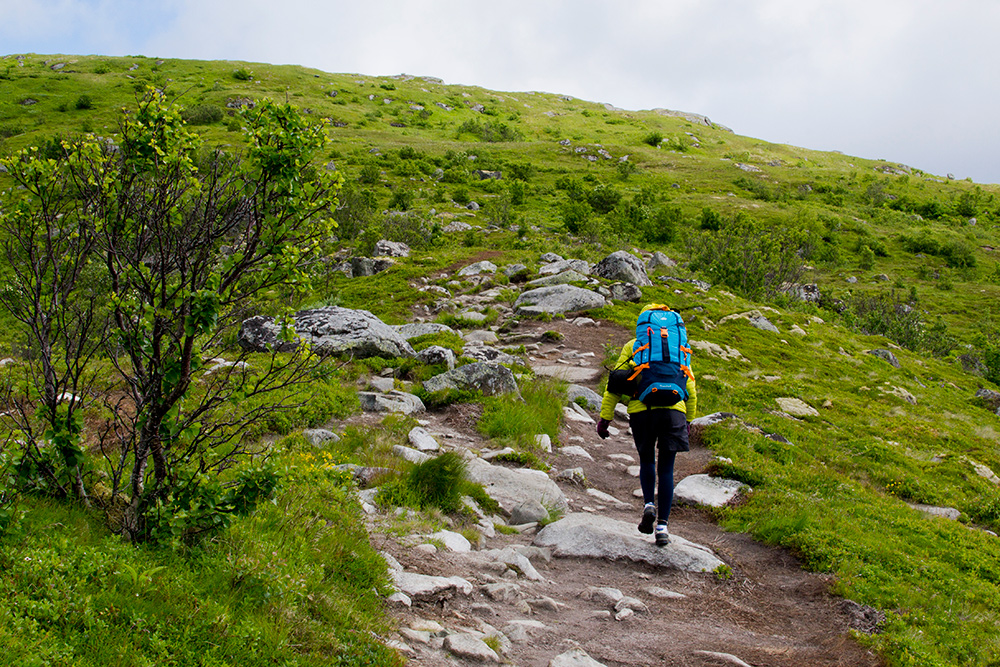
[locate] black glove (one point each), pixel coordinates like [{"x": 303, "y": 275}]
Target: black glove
[{"x": 602, "y": 428}]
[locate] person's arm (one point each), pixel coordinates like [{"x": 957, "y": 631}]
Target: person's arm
[{"x": 610, "y": 400}]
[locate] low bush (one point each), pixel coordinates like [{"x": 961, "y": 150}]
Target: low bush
[{"x": 203, "y": 114}]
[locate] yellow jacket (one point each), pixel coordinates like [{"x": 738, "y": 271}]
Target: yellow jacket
[{"x": 689, "y": 407}]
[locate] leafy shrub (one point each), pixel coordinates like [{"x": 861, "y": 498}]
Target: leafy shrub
[
  {"x": 84, "y": 102},
  {"x": 710, "y": 220},
  {"x": 661, "y": 226},
  {"x": 576, "y": 216},
  {"x": 885, "y": 315},
  {"x": 866, "y": 258},
  {"x": 490, "y": 131},
  {"x": 653, "y": 139},
  {"x": 401, "y": 199},
  {"x": 959, "y": 254},
  {"x": 749, "y": 257},
  {"x": 203, "y": 114},
  {"x": 242, "y": 74},
  {"x": 604, "y": 198}
]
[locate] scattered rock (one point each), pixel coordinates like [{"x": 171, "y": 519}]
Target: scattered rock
[
  {"x": 396, "y": 401},
  {"x": 470, "y": 647},
  {"x": 592, "y": 398},
  {"x": 530, "y": 511},
  {"x": 707, "y": 491},
  {"x": 457, "y": 226},
  {"x": 796, "y": 407},
  {"x": 425, "y": 587},
  {"x": 564, "y": 278},
  {"x": 318, "y": 437},
  {"x": 625, "y": 292},
  {"x": 477, "y": 268},
  {"x": 988, "y": 396},
  {"x": 422, "y": 440},
  {"x": 578, "y": 265},
  {"x": 943, "y": 512},
  {"x": 511, "y": 487},
  {"x": 886, "y": 355},
  {"x": 415, "y": 329},
  {"x": 726, "y": 658},
  {"x": 659, "y": 259},
  {"x": 329, "y": 330},
  {"x": 550, "y": 257},
  {"x": 574, "y": 450},
  {"x": 623, "y": 266},
  {"x": 557, "y": 299},
  {"x": 411, "y": 455},
  {"x": 488, "y": 378},
  {"x": 435, "y": 354},
  {"x": 452, "y": 541},
  {"x": 386, "y": 248},
  {"x": 575, "y": 658}
]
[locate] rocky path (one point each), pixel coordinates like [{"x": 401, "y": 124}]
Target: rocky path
[{"x": 512, "y": 599}]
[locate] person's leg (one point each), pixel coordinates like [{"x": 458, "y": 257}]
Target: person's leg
[
  {"x": 665, "y": 473},
  {"x": 645, "y": 445}
]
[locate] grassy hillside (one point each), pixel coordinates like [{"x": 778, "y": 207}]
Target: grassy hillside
[{"x": 581, "y": 180}]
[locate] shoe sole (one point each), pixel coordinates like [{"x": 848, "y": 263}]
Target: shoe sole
[
  {"x": 662, "y": 541},
  {"x": 646, "y": 525}
]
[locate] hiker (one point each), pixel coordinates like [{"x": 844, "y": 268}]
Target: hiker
[{"x": 654, "y": 427}]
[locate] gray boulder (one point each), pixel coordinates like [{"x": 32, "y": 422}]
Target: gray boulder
[
  {"x": 489, "y": 378},
  {"x": 809, "y": 293},
  {"x": 762, "y": 323},
  {"x": 576, "y": 657},
  {"x": 367, "y": 266},
  {"x": 578, "y": 265},
  {"x": 477, "y": 268},
  {"x": 530, "y": 511},
  {"x": 511, "y": 487},
  {"x": 989, "y": 397},
  {"x": 575, "y": 391},
  {"x": 490, "y": 354},
  {"x": 395, "y": 401},
  {"x": 318, "y": 437},
  {"x": 707, "y": 491},
  {"x": 516, "y": 272},
  {"x": 557, "y": 299},
  {"x": 435, "y": 354},
  {"x": 550, "y": 257},
  {"x": 564, "y": 278},
  {"x": 582, "y": 535},
  {"x": 458, "y": 226},
  {"x": 885, "y": 355},
  {"x": 386, "y": 248},
  {"x": 625, "y": 292},
  {"x": 329, "y": 330},
  {"x": 659, "y": 259},
  {"x": 623, "y": 266},
  {"x": 469, "y": 647},
  {"x": 414, "y": 329}
]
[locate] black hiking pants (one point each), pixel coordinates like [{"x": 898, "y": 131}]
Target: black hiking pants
[{"x": 662, "y": 429}]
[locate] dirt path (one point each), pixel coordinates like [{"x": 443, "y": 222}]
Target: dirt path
[{"x": 769, "y": 613}]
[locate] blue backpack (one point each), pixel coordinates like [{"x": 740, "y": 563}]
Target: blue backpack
[{"x": 662, "y": 358}]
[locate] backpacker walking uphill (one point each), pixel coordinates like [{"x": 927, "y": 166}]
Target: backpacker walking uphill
[{"x": 653, "y": 375}]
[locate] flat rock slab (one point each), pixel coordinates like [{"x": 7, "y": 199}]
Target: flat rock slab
[
  {"x": 575, "y": 658},
  {"x": 329, "y": 330},
  {"x": 470, "y": 647},
  {"x": 489, "y": 378},
  {"x": 425, "y": 587},
  {"x": 581, "y": 535},
  {"x": 707, "y": 491},
  {"x": 511, "y": 487},
  {"x": 415, "y": 329},
  {"x": 396, "y": 401},
  {"x": 796, "y": 407},
  {"x": 557, "y": 299}
]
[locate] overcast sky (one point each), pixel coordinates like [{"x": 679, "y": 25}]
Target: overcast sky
[{"x": 911, "y": 81}]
